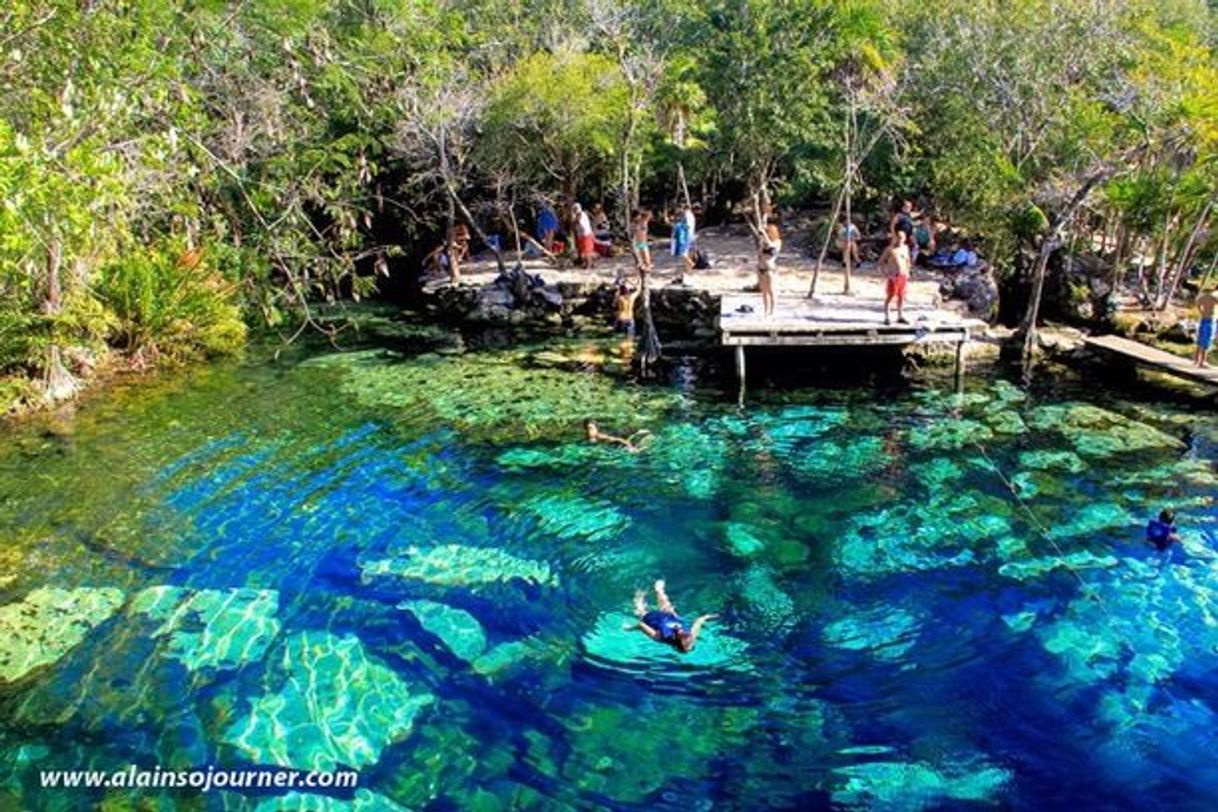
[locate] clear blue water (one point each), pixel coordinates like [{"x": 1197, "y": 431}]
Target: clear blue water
[{"x": 415, "y": 566}]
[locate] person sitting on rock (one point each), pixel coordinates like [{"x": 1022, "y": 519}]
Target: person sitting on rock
[
  {"x": 663, "y": 624},
  {"x": 594, "y": 435}
]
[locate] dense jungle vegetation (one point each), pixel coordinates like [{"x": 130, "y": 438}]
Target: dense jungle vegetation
[{"x": 176, "y": 173}]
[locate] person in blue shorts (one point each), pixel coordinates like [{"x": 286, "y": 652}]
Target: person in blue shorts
[
  {"x": 1206, "y": 303},
  {"x": 663, "y": 624}
]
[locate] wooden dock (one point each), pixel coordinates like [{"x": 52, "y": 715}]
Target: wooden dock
[
  {"x": 837, "y": 321},
  {"x": 1154, "y": 358}
]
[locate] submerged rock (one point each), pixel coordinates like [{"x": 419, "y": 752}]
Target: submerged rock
[
  {"x": 48, "y": 623},
  {"x": 457, "y": 629},
  {"x": 327, "y": 703},
  {"x": 895, "y": 785},
  {"x": 211, "y": 628},
  {"x": 1036, "y": 567},
  {"x": 884, "y": 632},
  {"x": 455, "y": 565},
  {"x": 364, "y": 801},
  {"x": 576, "y": 517}
]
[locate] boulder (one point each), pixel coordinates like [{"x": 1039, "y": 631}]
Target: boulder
[{"x": 976, "y": 288}]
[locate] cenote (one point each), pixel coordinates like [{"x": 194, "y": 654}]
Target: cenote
[{"x": 411, "y": 564}]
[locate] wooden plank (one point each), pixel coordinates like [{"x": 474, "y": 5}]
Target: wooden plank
[
  {"x": 840, "y": 340},
  {"x": 1155, "y": 358}
]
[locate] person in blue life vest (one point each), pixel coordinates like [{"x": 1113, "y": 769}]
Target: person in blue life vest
[
  {"x": 1162, "y": 534},
  {"x": 663, "y": 624}
]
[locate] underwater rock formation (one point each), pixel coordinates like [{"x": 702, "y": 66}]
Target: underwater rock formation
[
  {"x": 885, "y": 632},
  {"x": 211, "y": 628},
  {"x": 48, "y": 623},
  {"x": 455, "y": 565},
  {"x": 327, "y": 703},
  {"x": 894, "y": 786},
  {"x": 460, "y": 631}
]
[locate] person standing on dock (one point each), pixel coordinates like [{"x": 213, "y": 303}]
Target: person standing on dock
[
  {"x": 585, "y": 237},
  {"x": 769, "y": 243},
  {"x": 895, "y": 261},
  {"x": 1206, "y": 302}
]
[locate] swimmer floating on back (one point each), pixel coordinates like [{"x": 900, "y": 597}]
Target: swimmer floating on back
[
  {"x": 595, "y": 435},
  {"x": 664, "y": 625}
]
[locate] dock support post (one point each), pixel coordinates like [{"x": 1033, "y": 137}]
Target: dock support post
[
  {"x": 740, "y": 369},
  {"x": 960, "y": 365}
]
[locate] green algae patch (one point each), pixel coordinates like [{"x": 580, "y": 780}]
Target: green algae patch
[
  {"x": 457, "y": 629},
  {"x": 327, "y": 703},
  {"x": 936, "y": 474},
  {"x": 884, "y": 632},
  {"x": 833, "y": 461},
  {"x": 211, "y": 628},
  {"x": 949, "y": 434},
  {"x": 576, "y": 517},
  {"x": 456, "y": 565},
  {"x": 1066, "y": 461},
  {"x": 610, "y": 646},
  {"x": 895, "y": 786},
  {"x": 48, "y": 623},
  {"x": 489, "y": 396},
  {"x": 1093, "y": 520},
  {"x": 364, "y": 801},
  {"x": 1097, "y": 432}
]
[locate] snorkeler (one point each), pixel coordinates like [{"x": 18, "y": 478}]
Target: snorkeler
[
  {"x": 595, "y": 435},
  {"x": 1161, "y": 533},
  {"x": 664, "y": 625}
]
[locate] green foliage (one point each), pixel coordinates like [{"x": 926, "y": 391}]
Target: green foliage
[
  {"x": 557, "y": 112},
  {"x": 168, "y": 304}
]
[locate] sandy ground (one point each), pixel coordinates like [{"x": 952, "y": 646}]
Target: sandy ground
[{"x": 734, "y": 270}]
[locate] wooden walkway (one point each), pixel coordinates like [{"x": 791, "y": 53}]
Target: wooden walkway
[
  {"x": 836, "y": 321},
  {"x": 1154, "y": 358}
]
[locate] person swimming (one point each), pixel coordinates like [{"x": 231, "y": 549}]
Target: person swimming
[
  {"x": 1161, "y": 533},
  {"x": 663, "y": 624},
  {"x": 594, "y": 435}
]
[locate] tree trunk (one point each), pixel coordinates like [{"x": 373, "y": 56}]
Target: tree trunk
[
  {"x": 683, "y": 187},
  {"x": 54, "y": 297},
  {"x": 469, "y": 220},
  {"x": 1051, "y": 242},
  {"x": 1186, "y": 255},
  {"x": 850, "y": 139},
  {"x": 824, "y": 248}
]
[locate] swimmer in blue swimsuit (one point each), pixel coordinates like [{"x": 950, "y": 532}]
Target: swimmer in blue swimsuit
[{"x": 664, "y": 625}]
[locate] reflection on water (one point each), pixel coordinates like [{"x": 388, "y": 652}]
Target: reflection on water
[{"x": 415, "y": 567}]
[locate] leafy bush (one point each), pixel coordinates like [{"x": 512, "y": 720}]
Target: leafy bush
[{"x": 169, "y": 304}]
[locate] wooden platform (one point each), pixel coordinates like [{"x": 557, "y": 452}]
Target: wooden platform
[
  {"x": 1154, "y": 358},
  {"x": 837, "y": 321}
]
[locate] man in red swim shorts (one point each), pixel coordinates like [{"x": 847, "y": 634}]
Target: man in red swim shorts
[{"x": 895, "y": 263}]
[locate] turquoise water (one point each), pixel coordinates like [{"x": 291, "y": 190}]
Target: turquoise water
[{"x": 414, "y": 567}]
